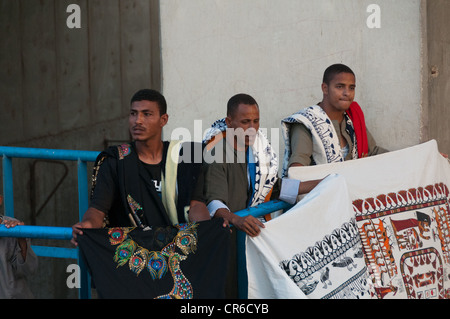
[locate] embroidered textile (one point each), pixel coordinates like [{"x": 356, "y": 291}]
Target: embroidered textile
[
  {"x": 176, "y": 262},
  {"x": 401, "y": 206}
]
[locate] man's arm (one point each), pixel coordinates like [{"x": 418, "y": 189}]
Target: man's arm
[
  {"x": 307, "y": 186},
  {"x": 250, "y": 224},
  {"x": 289, "y": 189},
  {"x": 216, "y": 195},
  {"x": 29, "y": 262},
  {"x": 374, "y": 149},
  {"x": 198, "y": 211},
  {"x": 93, "y": 218},
  {"x": 12, "y": 222},
  {"x": 301, "y": 145}
]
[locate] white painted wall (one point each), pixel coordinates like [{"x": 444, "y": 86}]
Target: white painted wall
[{"x": 277, "y": 51}]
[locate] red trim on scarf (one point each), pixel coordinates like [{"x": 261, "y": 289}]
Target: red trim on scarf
[{"x": 357, "y": 116}]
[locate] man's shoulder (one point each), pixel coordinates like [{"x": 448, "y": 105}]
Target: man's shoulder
[
  {"x": 222, "y": 153},
  {"x": 119, "y": 151},
  {"x": 301, "y": 113},
  {"x": 113, "y": 154},
  {"x": 310, "y": 109}
]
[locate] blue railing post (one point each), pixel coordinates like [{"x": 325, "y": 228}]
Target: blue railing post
[
  {"x": 260, "y": 210},
  {"x": 241, "y": 265},
  {"x": 83, "y": 204},
  {"x": 83, "y": 199},
  {"x": 8, "y": 190}
]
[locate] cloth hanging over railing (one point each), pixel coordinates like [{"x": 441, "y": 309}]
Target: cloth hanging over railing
[{"x": 400, "y": 206}]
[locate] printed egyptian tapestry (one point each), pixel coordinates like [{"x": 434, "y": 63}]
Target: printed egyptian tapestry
[
  {"x": 312, "y": 251},
  {"x": 406, "y": 241},
  {"x": 400, "y": 203},
  {"x": 176, "y": 262}
]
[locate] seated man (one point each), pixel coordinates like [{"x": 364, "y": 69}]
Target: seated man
[
  {"x": 243, "y": 171},
  {"x": 145, "y": 183},
  {"x": 333, "y": 130}
]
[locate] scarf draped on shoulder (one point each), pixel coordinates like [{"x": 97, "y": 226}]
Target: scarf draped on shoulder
[
  {"x": 266, "y": 161},
  {"x": 326, "y": 146}
]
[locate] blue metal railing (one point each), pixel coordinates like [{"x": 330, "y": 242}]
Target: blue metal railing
[{"x": 65, "y": 233}]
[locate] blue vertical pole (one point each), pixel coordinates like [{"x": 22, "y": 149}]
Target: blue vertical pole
[
  {"x": 8, "y": 191},
  {"x": 241, "y": 265},
  {"x": 83, "y": 199},
  {"x": 83, "y": 204}
]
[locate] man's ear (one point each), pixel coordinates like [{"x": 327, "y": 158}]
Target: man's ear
[
  {"x": 164, "y": 119},
  {"x": 228, "y": 121},
  {"x": 325, "y": 89}
]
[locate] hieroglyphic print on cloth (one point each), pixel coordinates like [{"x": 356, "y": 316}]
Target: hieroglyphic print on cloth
[
  {"x": 405, "y": 236},
  {"x": 333, "y": 268}
]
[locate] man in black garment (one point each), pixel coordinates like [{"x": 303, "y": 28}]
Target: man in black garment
[{"x": 146, "y": 183}]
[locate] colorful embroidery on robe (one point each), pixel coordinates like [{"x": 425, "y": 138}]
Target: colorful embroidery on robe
[
  {"x": 138, "y": 257},
  {"x": 136, "y": 211},
  {"x": 161, "y": 263},
  {"x": 124, "y": 150}
]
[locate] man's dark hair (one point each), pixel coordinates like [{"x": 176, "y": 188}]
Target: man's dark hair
[
  {"x": 152, "y": 96},
  {"x": 333, "y": 70},
  {"x": 240, "y": 98}
]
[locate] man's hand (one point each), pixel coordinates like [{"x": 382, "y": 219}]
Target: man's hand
[
  {"x": 93, "y": 218},
  {"x": 248, "y": 224},
  {"x": 10, "y": 222}
]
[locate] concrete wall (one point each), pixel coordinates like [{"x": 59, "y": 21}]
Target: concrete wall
[
  {"x": 68, "y": 88},
  {"x": 438, "y": 73},
  {"x": 277, "y": 52},
  {"x": 60, "y": 81}
]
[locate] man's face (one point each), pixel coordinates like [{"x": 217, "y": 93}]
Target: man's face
[
  {"x": 245, "y": 122},
  {"x": 145, "y": 121},
  {"x": 340, "y": 92}
]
